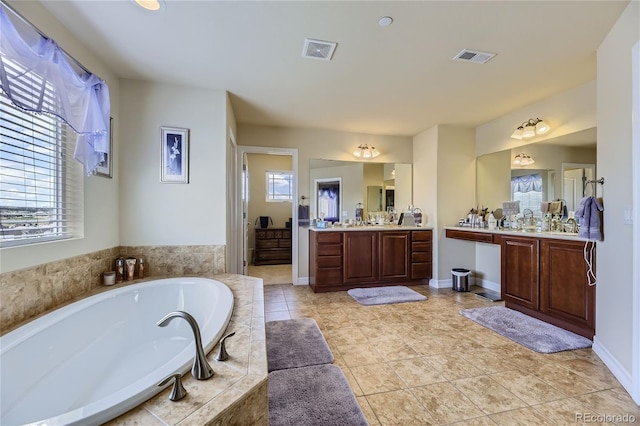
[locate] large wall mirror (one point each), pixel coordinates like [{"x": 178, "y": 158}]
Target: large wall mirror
[
  {"x": 561, "y": 167},
  {"x": 377, "y": 186}
]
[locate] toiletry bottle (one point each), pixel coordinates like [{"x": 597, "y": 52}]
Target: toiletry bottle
[
  {"x": 492, "y": 221},
  {"x": 119, "y": 270},
  {"x": 141, "y": 268}
]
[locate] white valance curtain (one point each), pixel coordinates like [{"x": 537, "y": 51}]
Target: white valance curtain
[
  {"x": 526, "y": 183},
  {"x": 82, "y": 101}
]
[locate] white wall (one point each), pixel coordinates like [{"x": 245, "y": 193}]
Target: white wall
[
  {"x": 456, "y": 195},
  {"x": 321, "y": 144},
  {"x": 425, "y": 185},
  {"x": 444, "y": 176},
  {"x": 154, "y": 213},
  {"x": 567, "y": 112},
  {"x": 101, "y": 204},
  {"x": 615, "y": 253}
]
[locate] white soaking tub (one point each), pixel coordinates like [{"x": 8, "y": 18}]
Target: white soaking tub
[{"x": 97, "y": 358}]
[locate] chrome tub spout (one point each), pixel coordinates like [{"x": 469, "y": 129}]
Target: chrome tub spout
[{"x": 201, "y": 369}]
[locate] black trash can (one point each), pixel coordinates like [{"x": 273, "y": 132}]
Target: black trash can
[{"x": 460, "y": 279}]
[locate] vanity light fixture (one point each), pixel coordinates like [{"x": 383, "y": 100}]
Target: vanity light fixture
[
  {"x": 151, "y": 5},
  {"x": 523, "y": 159},
  {"x": 530, "y": 128},
  {"x": 366, "y": 152}
]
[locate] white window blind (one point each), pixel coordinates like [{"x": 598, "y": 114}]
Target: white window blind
[
  {"x": 41, "y": 187},
  {"x": 279, "y": 185}
]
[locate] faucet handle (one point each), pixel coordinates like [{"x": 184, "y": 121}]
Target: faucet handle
[
  {"x": 178, "y": 392},
  {"x": 222, "y": 352}
]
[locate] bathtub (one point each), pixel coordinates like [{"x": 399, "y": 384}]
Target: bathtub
[{"x": 97, "y": 358}]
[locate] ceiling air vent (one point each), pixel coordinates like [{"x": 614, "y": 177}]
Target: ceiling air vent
[
  {"x": 467, "y": 55},
  {"x": 318, "y": 49}
]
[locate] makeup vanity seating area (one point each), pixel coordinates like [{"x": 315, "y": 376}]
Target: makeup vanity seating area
[
  {"x": 369, "y": 256},
  {"x": 543, "y": 275}
]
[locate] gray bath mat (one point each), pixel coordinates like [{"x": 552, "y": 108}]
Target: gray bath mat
[
  {"x": 312, "y": 396},
  {"x": 295, "y": 343},
  {"x": 530, "y": 332},
  {"x": 385, "y": 295}
]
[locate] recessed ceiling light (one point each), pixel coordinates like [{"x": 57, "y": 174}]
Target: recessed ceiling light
[
  {"x": 151, "y": 5},
  {"x": 385, "y": 21}
]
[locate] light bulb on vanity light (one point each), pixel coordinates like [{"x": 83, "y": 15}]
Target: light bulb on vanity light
[{"x": 530, "y": 128}]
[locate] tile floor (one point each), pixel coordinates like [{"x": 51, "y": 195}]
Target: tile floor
[
  {"x": 271, "y": 274},
  {"x": 422, "y": 363}
]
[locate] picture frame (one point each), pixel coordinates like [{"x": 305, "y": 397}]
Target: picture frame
[
  {"x": 105, "y": 167},
  {"x": 174, "y": 155}
]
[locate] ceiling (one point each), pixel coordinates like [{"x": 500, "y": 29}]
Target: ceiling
[{"x": 395, "y": 80}]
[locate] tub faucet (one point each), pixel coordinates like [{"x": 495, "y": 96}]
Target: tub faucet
[{"x": 201, "y": 369}]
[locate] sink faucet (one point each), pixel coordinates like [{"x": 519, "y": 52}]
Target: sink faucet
[{"x": 201, "y": 369}]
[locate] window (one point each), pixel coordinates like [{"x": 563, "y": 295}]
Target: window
[
  {"x": 528, "y": 190},
  {"x": 41, "y": 186},
  {"x": 279, "y": 185}
]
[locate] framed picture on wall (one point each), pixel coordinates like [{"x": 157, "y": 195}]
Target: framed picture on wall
[
  {"x": 174, "y": 157},
  {"x": 105, "y": 167}
]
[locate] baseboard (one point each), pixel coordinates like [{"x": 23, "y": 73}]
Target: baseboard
[
  {"x": 489, "y": 285},
  {"x": 448, "y": 283},
  {"x": 623, "y": 376},
  {"x": 302, "y": 281}
]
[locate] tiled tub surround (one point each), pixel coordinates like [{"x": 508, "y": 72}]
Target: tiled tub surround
[
  {"x": 27, "y": 293},
  {"x": 237, "y": 393}
]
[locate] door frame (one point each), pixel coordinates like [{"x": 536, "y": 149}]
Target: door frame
[
  {"x": 238, "y": 225},
  {"x": 635, "y": 220}
]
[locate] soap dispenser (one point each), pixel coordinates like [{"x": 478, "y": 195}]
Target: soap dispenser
[{"x": 492, "y": 221}]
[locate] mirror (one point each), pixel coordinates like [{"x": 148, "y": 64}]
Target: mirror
[
  {"x": 375, "y": 185},
  {"x": 554, "y": 161}
]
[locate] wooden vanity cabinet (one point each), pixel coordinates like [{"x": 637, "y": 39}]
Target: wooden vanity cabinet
[
  {"x": 547, "y": 279},
  {"x": 421, "y": 255},
  {"x": 394, "y": 255},
  {"x": 325, "y": 257},
  {"x": 519, "y": 272},
  {"x": 564, "y": 291},
  {"x": 340, "y": 260},
  {"x": 360, "y": 257}
]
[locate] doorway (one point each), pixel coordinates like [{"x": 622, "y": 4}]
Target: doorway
[
  {"x": 245, "y": 223},
  {"x": 574, "y": 183}
]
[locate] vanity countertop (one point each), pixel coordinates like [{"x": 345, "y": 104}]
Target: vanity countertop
[
  {"x": 372, "y": 228},
  {"x": 515, "y": 232}
]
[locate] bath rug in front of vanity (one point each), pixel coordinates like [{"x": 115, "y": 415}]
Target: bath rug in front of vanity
[
  {"x": 385, "y": 295},
  {"x": 319, "y": 395},
  {"x": 295, "y": 343},
  {"x": 530, "y": 332}
]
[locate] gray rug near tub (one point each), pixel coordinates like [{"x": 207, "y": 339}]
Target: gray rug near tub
[
  {"x": 530, "y": 332},
  {"x": 295, "y": 343},
  {"x": 385, "y": 295},
  {"x": 318, "y": 395}
]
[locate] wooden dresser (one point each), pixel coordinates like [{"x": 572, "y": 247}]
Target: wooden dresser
[{"x": 273, "y": 246}]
